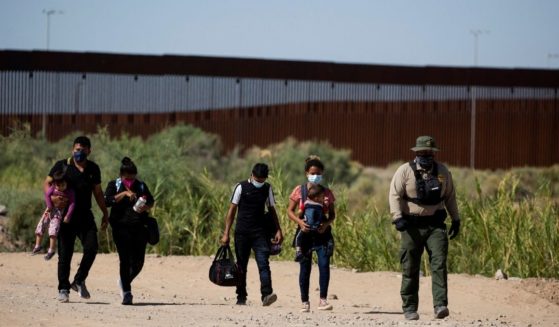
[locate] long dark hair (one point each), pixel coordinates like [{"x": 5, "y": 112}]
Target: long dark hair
[{"x": 128, "y": 167}]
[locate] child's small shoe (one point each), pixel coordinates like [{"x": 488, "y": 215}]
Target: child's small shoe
[
  {"x": 49, "y": 255},
  {"x": 36, "y": 250}
]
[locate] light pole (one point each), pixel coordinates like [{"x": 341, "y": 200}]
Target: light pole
[
  {"x": 476, "y": 34},
  {"x": 551, "y": 56},
  {"x": 49, "y": 13}
]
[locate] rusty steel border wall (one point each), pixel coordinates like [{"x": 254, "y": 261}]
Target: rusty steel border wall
[{"x": 375, "y": 111}]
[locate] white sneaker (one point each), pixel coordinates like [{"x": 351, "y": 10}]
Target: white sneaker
[
  {"x": 119, "y": 283},
  {"x": 63, "y": 296},
  {"x": 324, "y": 305},
  {"x": 306, "y": 307}
]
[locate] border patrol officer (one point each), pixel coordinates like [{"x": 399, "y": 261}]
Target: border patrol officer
[{"x": 420, "y": 191}]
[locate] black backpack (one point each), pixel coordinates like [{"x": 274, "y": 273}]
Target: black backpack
[{"x": 428, "y": 191}]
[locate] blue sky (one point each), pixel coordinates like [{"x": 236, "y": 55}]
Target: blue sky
[{"x": 396, "y": 32}]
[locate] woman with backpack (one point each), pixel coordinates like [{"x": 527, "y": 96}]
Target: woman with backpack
[
  {"x": 320, "y": 241},
  {"x": 129, "y": 199}
]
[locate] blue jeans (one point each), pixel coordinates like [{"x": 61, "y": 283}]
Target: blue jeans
[
  {"x": 323, "y": 271},
  {"x": 260, "y": 244}
]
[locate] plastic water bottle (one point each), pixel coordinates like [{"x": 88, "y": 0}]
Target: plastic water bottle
[{"x": 140, "y": 203}]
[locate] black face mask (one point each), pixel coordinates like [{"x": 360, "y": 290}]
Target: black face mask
[
  {"x": 426, "y": 162},
  {"x": 80, "y": 156}
]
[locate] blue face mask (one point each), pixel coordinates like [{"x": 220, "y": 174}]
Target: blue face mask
[
  {"x": 257, "y": 184},
  {"x": 425, "y": 162},
  {"x": 80, "y": 156},
  {"x": 315, "y": 179}
]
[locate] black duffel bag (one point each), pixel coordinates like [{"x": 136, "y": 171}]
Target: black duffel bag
[
  {"x": 224, "y": 271},
  {"x": 153, "y": 230}
]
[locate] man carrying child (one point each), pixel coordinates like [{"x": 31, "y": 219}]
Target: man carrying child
[{"x": 84, "y": 177}]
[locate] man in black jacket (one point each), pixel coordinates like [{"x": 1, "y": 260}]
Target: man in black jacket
[{"x": 252, "y": 231}]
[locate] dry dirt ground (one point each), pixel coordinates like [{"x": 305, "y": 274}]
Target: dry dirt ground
[{"x": 175, "y": 291}]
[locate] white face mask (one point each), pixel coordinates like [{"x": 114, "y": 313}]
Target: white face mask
[
  {"x": 315, "y": 179},
  {"x": 257, "y": 184}
]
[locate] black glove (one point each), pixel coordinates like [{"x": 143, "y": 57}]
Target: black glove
[
  {"x": 454, "y": 229},
  {"x": 401, "y": 224}
]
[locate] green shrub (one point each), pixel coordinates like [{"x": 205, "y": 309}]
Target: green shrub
[
  {"x": 25, "y": 209},
  {"x": 289, "y": 157}
]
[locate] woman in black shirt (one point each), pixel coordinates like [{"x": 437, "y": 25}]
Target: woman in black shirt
[{"x": 127, "y": 221}]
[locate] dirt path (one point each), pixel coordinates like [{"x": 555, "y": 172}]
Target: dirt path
[{"x": 175, "y": 291}]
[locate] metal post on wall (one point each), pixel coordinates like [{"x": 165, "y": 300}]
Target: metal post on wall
[
  {"x": 77, "y": 103},
  {"x": 236, "y": 122},
  {"x": 473, "y": 127}
]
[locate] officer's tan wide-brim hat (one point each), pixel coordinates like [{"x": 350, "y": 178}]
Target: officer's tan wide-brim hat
[{"x": 424, "y": 143}]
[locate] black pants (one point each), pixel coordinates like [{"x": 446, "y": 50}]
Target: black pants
[
  {"x": 131, "y": 244},
  {"x": 83, "y": 227},
  {"x": 260, "y": 244}
]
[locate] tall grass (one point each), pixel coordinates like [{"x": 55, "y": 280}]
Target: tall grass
[
  {"x": 501, "y": 232},
  {"x": 509, "y": 219}
]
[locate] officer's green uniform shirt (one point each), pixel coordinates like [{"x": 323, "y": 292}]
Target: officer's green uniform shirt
[{"x": 403, "y": 183}]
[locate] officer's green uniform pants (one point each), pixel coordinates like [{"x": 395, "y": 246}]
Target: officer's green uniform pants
[{"x": 435, "y": 240}]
